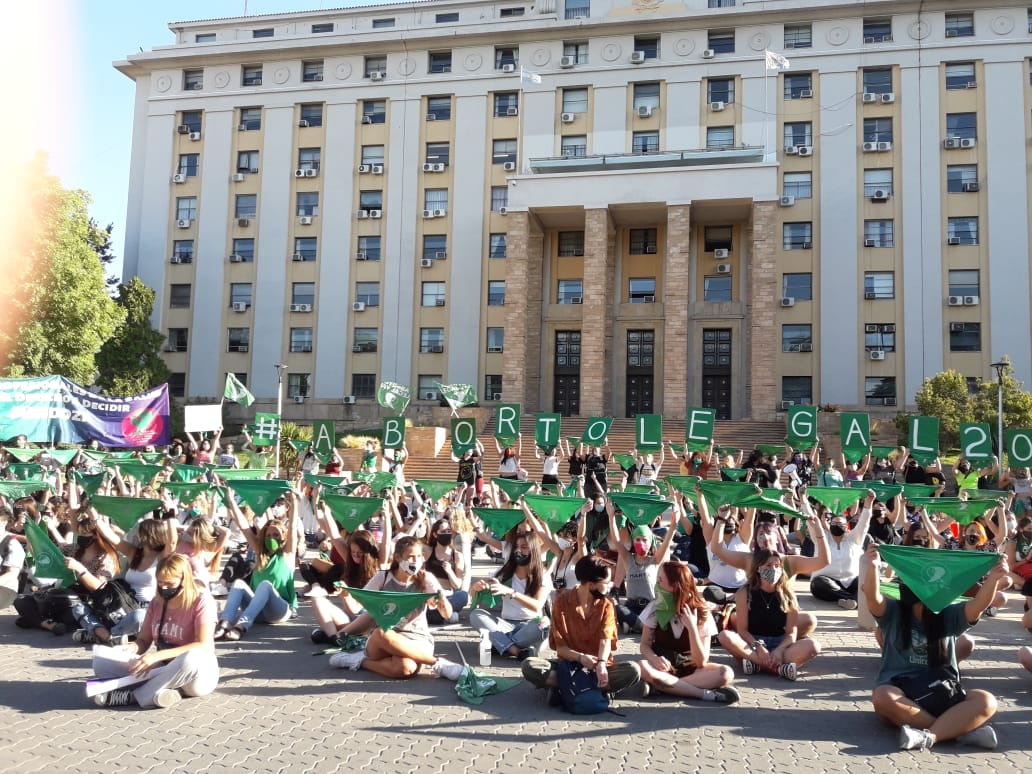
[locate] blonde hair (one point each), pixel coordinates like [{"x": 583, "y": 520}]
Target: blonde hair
[
  {"x": 177, "y": 564},
  {"x": 460, "y": 522}
]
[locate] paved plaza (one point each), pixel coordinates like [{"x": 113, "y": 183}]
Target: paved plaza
[{"x": 279, "y": 709}]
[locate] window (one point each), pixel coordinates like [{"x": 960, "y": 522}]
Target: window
[
  {"x": 963, "y": 230},
  {"x": 321, "y": 28},
  {"x": 642, "y": 241},
  {"x": 363, "y": 385},
  {"x": 797, "y": 390},
  {"x": 438, "y": 153},
  {"x": 880, "y": 390},
  {"x": 312, "y": 71},
  {"x": 435, "y": 199},
  {"x": 368, "y": 293},
  {"x": 641, "y": 290},
  {"x": 440, "y": 61},
  {"x": 240, "y": 293},
  {"x": 578, "y": 50},
  {"x": 433, "y": 294},
  {"x": 963, "y": 282},
  {"x": 879, "y": 233},
  {"x": 641, "y": 348},
  {"x": 717, "y": 238},
  {"x": 797, "y": 236},
  {"x": 646, "y": 95},
  {"x": 573, "y": 146},
  {"x": 796, "y": 338},
  {"x": 499, "y": 197},
  {"x": 375, "y": 64},
  {"x": 204, "y": 37},
  {"x": 798, "y": 36},
  {"x": 182, "y": 249},
  {"x": 877, "y": 80},
  {"x": 244, "y": 248},
  {"x": 960, "y": 25},
  {"x": 193, "y": 80},
  {"x": 506, "y": 55},
  {"x": 431, "y": 340},
  {"x": 877, "y": 180},
  {"x": 720, "y": 90},
  {"x": 797, "y": 285},
  {"x": 496, "y": 293},
  {"x": 439, "y": 108},
  {"x": 366, "y": 339},
  {"x": 647, "y": 44},
  {"x": 877, "y": 130},
  {"x": 186, "y": 207},
  {"x": 960, "y": 175},
  {"x": 312, "y": 113},
  {"x": 964, "y": 337},
  {"x": 300, "y": 339},
  {"x": 297, "y": 385},
  {"x": 567, "y": 350},
  {"x": 265, "y": 32},
  {"x": 372, "y": 154},
  {"x": 880, "y": 337},
  {"x": 576, "y": 100},
  {"x": 879, "y": 285},
  {"x": 509, "y": 12},
  {"x": 571, "y": 243},
  {"x": 239, "y": 339},
  {"x": 307, "y": 203},
  {"x": 570, "y": 291},
  {"x": 302, "y": 293},
  {"x": 426, "y": 386},
  {"x": 370, "y": 200},
  {"x": 877, "y": 30},
  {"x": 177, "y": 384},
  {"x": 798, "y": 133},
  {"x": 247, "y": 162},
  {"x": 369, "y": 248},
  {"x": 435, "y": 246},
  {"x": 720, "y": 137},
  {"x": 798, "y": 185},
  {"x": 446, "y": 18},
  {"x": 374, "y": 111},
  {"x": 721, "y": 41},
  {"x": 191, "y": 119},
  {"x": 963, "y": 125},
  {"x": 577, "y": 9},
  {"x": 492, "y": 387},
  {"x": 960, "y": 75},
  {"x": 309, "y": 158},
  {"x": 306, "y": 248},
  {"x": 246, "y": 206},
  {"x": 496, "y": 339},
  {"x": 716, "y": 288},
  {"x": 250, "y": 119},
  {"x": 498, "y": 244},
  {"x": 251, "y": 75},
  {"x": 179, "y": 296},
  {"x": 798, "y": 85},
  {"x": 503, "y": 151},
  {"x": 506, "y": 104},
  {"x": 383, "y": 24}
]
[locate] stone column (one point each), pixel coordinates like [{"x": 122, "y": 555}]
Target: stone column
[
  {"x": 677, "y": 281},
  {"x": 521, "y": 376},
  {"x": 762, "y": 386},
  {"x": 597, "y": 327}
]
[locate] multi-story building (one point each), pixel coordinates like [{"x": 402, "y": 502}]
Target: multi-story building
[{"x": 590, "y": 206}]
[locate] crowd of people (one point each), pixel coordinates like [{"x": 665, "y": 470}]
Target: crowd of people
[{"x": 711, "y": 560}]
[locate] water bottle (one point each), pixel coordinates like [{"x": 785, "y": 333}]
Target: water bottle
[{"x": 485, "y": 650}]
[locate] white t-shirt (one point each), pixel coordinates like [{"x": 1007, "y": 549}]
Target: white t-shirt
[
  {"x": 550, "y": 466},
  {"x": 513, "y": 610},
  {"x": 724, "y": 574}
]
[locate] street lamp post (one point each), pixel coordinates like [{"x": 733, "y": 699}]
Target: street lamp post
[
  {"x": 280, "y": 368},
  {"x": 999, "y": 366}
]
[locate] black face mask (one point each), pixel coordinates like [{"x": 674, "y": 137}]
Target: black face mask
[
  {"x": 444, "y": 539},
  {"x": 84, "y": 541},
  {"x": 170, "y": 594},
  {"x": 920, "y": 543},
  {"x": 972, "y": 540},
  {"x": 837, "y": 530},
  {"x": 521, "y": 560}
]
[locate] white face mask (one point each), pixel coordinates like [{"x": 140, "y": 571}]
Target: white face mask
[
  {"x": 563, "y": 543},
  {"x": 770, "y": 574},
  {"x": 413, "y": 566}
]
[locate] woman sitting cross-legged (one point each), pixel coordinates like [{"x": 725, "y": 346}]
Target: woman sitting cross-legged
[
  {"x": 179, "y": 624},
  {"x": 675, "y": 641}
]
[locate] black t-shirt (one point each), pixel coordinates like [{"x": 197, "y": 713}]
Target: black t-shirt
[
  {"x": 597, "y": 464},
  {"x": 466, "y": 470}
]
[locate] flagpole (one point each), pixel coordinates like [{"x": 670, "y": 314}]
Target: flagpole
[{"x": 280, "y": 368}]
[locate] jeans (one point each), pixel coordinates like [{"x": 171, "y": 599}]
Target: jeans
[
  {"x": 458, "y": 599},
  {"x": 131, "y": 624},
  {"x": 628, "y": 612},
  {"x": 87, "y": 619},
  {"x": 525, "y": 635},
  {"x": 622, "y": 675},
  {"x": 264, "y": 604},
  {"x": 194, "y": 673},
  {"x": 831, "y": 589}
]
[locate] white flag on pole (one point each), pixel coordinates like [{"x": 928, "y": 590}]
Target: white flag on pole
[
  {"x": 777, "y": 62},
  {"x": 526, "y": 76}
]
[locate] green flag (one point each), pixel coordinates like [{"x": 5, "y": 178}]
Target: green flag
[
  {"x": 260, "y": 494},
  {"x": 394, "y": 396},
  {"x": 49, "y": 561},
  {"x": 625, "y": 461},
  {"x": 637, "y": 489},
  {"x": 935, "y": 576},
  {"x": 513, "y": 489},
  {"x": 95, "y": 455},
  {"x": 323, "y": 436},
  {"x": 236, "y": 392},
  {"x": 883, "y": 452},
  {"x": 735, "y": 474},
  {"x": 90, "y": 483},
  {"x": 141, "y": 471},
  {"x": 241, "y": 474},
  {"x": 771, "y": 449},
  {"x": 434, "y": 488},
  {"x": 507, "y": 423},
  {"x": 457, "y": 395},
  {"x": 383, "y": 480},
  {"x": 678, "y": 448},
  {"x": 698, "y": 428},
  {"x": 923, "y": 439},
  {"x": 546, "y": 430},
  {"x": 121, "y": 455},
  {"x": 987, "y": 494},
  {"x": 882, "y": 492},
  {"x": 15, "y": 490},
  {"x": 393, "y": 433},
  {"x": 473, "y": 687},
  {"x": 1019, "y": 447},
  {"x": 188, "y": 472},
  {"x": 963, "y": 511},
  {"x": 153, "y": 458},
  {"x": 890, "y": 589},
  {"x": 976, "y": 442},
  {"x": 638, "y": 510},
  {"x": 764, "y": 503},
  {"x": 596, "y": 431},
  {"x": 266, "y": 428},
  {"x": 719, "y": 493},
  {"x": 801, "y": 427},
  {"x": 24, "y": 471},
  {"x": 124, "y": 511},
  {"x": 836, "y": 499},
  {"x": 330, "y": 482},
  {"x": 22, "y": 455},
  {"x": 856, "y": 435},
  {"x": 352, "y": 512},
  {"x": 570, "y": 490},
  {"x": 298, "y": 445},
  {"x": 64, "y": 456},
  {"x": 463, "y": 434},
  {"x": 553, "y": 511},
  {"x": 188, "y": 492},
  {"x": 648, "y": 432},
  {"x": 388, "y": 608},
  {"x": 499, "y": 520},
  {"x": 683, "y": 484}
]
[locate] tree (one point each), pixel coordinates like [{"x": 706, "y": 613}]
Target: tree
[
  {"x": 946, "y": 396},
  {"x": 59, "y": 314},
  {"x": 130, "y": 361},
  {"x": 100, "y": 240},
  {"x": 1017, "y": 403}
]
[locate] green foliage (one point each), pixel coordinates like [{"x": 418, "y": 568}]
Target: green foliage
[
  {"x": 100, "y": 240},
  {"x": 946, "y": 396},
  {"x": 291, "y": 431},
  {"x": 1017, "y": 403},
  {"x": 130, "y": 363}
]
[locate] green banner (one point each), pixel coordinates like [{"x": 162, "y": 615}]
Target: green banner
[
  {"x": 188, "y": 492},
  {"x": 463, "y": 434},
  {"x": 188, "y": 472},
  {"x": 435, "y": 489},
  {"x": 882, "y": 492},
  {"x": 856, "y": 435},
  {"x": 648, "y": 432},
  {"x": 393, "y": 433},
  {"x": 963, "y": 511},
  {"x": 90, "y": 483},
  {"x": 638, "y": 510},
  {"x": 499, "y": 520},
  {"x": 836, "y": 499},
  {"x": 801, "y": 427},
  {"x": 388, "y": 608},
  {"x": 698, "y": 428},
  {"x": 260, "y": 494},
  {"x": 764, "y": 503},
  {"x": 15, "y": 490},
  {"x": 976, "y": 442},
  {"x": 1019, "y": 447},
  {"x": 596, "y": 431},
  {"x": 24, "y": 471},
  {"x": 513, "y": 488},
  {"x": 507, "y": 423},
  {"x": 125, "y": 511},
  {"x": 735, "y": 474},
  {"x": 625, "y": 461},
  {"x": 546, "y": 430},
  {"x": 352, "y": 512},
  {"x": 553, "y": 511},
  {"x": 638, "y": 489},
  {"x": 49, "y": 561},
  {"x": 911, "y": 491},
  {"x": 266, "y": 428},
  {"x": 323, "y": 436},
  {"x": 22, "y": 455},
  {"x": 935, "y": 576},
  {"x": 64, "y": 456},
  {"x": 923, "y": 439},
  {"x": 393, "y": 396}
]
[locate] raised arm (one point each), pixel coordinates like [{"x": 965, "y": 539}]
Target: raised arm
[
  {"x": 858, "y": 534},
  {"x": 871, "y": 588},
  {"x": 807, "y": 565},
  {"x": 663, "y": 549}
]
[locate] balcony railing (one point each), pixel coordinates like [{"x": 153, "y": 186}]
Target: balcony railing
[{"x": 732, "y": 154}]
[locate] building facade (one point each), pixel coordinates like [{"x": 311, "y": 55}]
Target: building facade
[{"x": 589, "y": 207}]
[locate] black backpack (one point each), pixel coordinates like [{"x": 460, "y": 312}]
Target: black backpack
[{"x": 113, "y": 601}]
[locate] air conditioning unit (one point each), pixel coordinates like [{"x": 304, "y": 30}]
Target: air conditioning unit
[
  {"x": 889, "y": 401},
  {"x": 175, "y": 259},
  {"x": 240, "y": 306},
  {"x": 295, "y": 307},
  {"x": 955, "y": 300},
  {"x": 637, "y": 57},
  {"x": 440, "y": 255},
  {"x": 236, "y": 258},
  {"x": 787, "y": 301},
  {"x": 805, "y": 150},
  {"x": 349, "y": 400},
  {"x": 512, "y": 111},
  {"x": 970, "y": 187},
  {"x": 299, "y": 173},
  {"x": 438, "y": 302},
  {"x": 888, "y": 98},
  {"x": 806, "y": 347},
  {"x": 806, "y": 94},
  {"x": 302, "y": 124},
  {"x": 721, "y": 252},
  {"x": 953, "y": 241},
  {"x": 496, "y": 396},
  {"x": 305, "y": 220},
  {"x": 426, "y": 263},
  {"x": 884, "y": 146},
  {"x": 716, "y": 107},
  {"x": 183, "y": 129},
  {"x": 968, "y": 142},
  {"x": 952, "y": 33},
  {"x": 362, "y": 214},
  {"x": 377, "y": 169},
  {"x": 870, "y": 295},
  {"x": 184, "y": 223},
  {"x": 440, "y": 213},
  {"x": 367, "y": 119},
  {"x": 867, "y": 97},
  {"x": 437, "y": 349},
  {"x": 956, "y": 327},
  {"x": 970, "y": 300},
  {"x": 567, "y": 62},
  {"x": 509, "y": 166},
  {"x": 364, "y": 168},
  {"x": 377, "y": 75},
  {"x": 503, "y": 210},
  {"x": 362, "y": 255},
  {"x": 951, "y": 143},
  {"x": 791, "y": 150},
  {"x": 428, "y": 213},
  {"x": 879, "y": 195},
  {"x": 430, "y": 395},
  {"x": 806, "y": 246},
  {"x": 870, "y": 147},
  {"x": 439, "y": 167},
  {"x": 644, "y": 111},
  {"x": 304, "y": 307},
  {"x": 358, "y": 306},
  {"x": 239, "y": 348},
  {"x": 786, "y": 201},
  {"x": 299, "y": 399},
  {"x": 428, "y": 167},
  {"x": 709, "y": 53},
  {"x": 356, "y": 348},
  {"x": 870, "y": 243},
  {"x": 375, "y": 214},
  {"x": 297, "y": 257},
  {"x": 314, "y": 77},
  {"x": 723, "y": 268},
  {"x": 786, "y": 404},
  {"x": 180, "y": 178},
  {"x": 508, "y": 68},
  {"x": 238, "y": 177},
  {"x": 650, "y": 249},
  {"x": 889, "y": 328},
  {"x": 576, "y": 299},
  {"x": 243, "y": 128},
  {"x": 195, "y": 136},
  {"x": 494, "y": 349},
  {"x": 243, "y": 222},
  {"x": 876, "y": 354},
  {"x": 871, "y": 328},
  {"x": 567, "y": 118},
  {"x": 312, "y": 172}
]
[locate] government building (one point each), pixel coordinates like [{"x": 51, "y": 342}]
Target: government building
[{"x": 592, "y": 207}]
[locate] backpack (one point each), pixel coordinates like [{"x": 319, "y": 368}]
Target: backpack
[
  {"x": 113, "y": 601},
  {"x": 578, "y": 689}
]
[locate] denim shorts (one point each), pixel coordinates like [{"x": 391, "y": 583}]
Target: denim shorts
[{"x": 770, "y": 641}]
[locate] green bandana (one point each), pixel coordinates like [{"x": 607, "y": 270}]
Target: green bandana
[
  {"x": 188, "y": 472},
  {"x": 89, "y": 483},
  {"x": 22, "y": 455},
  {"x": 513, "y": 489},
  {"x": 964, "y": 512},
  {"x": 260, "y": 494},
  {"x": 241, "y": 474},
  {"x": 665, "y": 606},
  {"x": 936, "y": 576},
  {"x": 388, "y": 608},
  {"x": 639, "y": 510},
  {"x": 625, "y": 461},
  {"x": 50, "y": 562},
  {"x": 64, "y": 456},
  {"x": 473, "y": 687},
  {"x": 735, "y": 474},
  {"x": 685, "y": 484},
  {"x": 14, "y": 490},
  {"x": 124, "y": 511},
  {"x": 836, "y": 499},
  {"x": 882, "y": 492},
  {"x": 553, "y": 511},
  {"x": 499, "y": 520},
  {"x": 188, "y": 492},
  {"x": 719, "y": 493},
  {"x": 352, "y": 512},
  {"x": 434, "y": 488}
]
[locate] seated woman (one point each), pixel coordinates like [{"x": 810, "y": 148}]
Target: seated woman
[
  {"x": 733, "y": 532},
  {"x": 675, "y": 641},
  {"x": 524, "y": 585},
  {"x": 361, "y": 561},
  {"x": 767, "y": 637},
  {"x": 638, "y": 567},
  {"x": 447, "y": 565},
  {"x": 408, "y": 646},
  {"x": 94, "y": 563},
  {"x": 179, "y": 625},
  {"x": 919, "y": 665}
]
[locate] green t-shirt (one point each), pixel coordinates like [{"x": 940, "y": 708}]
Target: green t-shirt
[
  {"x": 280, "y": 574},
  {"x": 914, "y": 660}
]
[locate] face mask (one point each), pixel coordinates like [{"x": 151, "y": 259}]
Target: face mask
[
  {"x": 770, "y": 574},
  {"x": 920, "y": 543},
  {"x": 84, "y": 541},
  {"x": 413, "y": 566},
  {"x": 641, "y": 547},
  {"x": 972, "y": 540},
  {"x": 729, "y": 528},
  {"x": 521, "y": 559},
  {"x": 563, "y": 543},
  {"x": 170, "y": 594},
  {"x": 837, "y": 530},
  {"x": 665, "y": 605},
  {"x": 600, "y": 507},
  {"x": 272, "y": 545},
  {"x": 444, "y": 539},
  {"x": 195, "y": 512},
  {"x": 1026, "y": 535},
  {"x": 597, "y": 594}
]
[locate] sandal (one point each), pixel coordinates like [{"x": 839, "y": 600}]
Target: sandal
[
  {"x": 220, "y": 630},
  {"x": 234, "y": 634}
]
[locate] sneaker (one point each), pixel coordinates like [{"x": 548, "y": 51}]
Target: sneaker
[
  {"x": 915, "y": 738},
  {"x": 83, "y": 636},
  {"x": 120, "y": 697},
  {"x": 344, "y": 660},
  {"x": 449, "y": 670},
  {"x": 748, "y": 667},
  {"x": 788, "y": 671},
  {"x": 983, "y": 736},
  {"x": 848, "y": 604},
  {"x": 166, "y": 697},
  {"x": 726, "y": 695},
  {"x": 219, "y": 589},
  {"x": 991, "y": 612}
]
